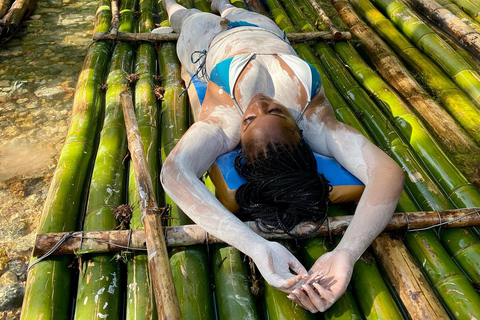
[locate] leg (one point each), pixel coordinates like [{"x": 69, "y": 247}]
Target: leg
[
  {"x": 232, "y": 13},
  {"x": 196, "y": 28}
]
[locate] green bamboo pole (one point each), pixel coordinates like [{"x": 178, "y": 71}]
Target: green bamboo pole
[
  {"x": 455, "y": 141},
  {"x": 145, "y": 20},
  {"x": 127, "y": 16},
  {"x": 295, "y": 14},
  {"x": 232, "y": 291},
  {"x": 103, "y": 16},
  {"x": 280, "y": 16},
  {"x": 449, "y": 23},
  {"x": 189, "y": 265},
  {"x": 459, "y": 13},
  {"x": 471, "y": 7},
  {"x": 47, "y": 293},
  {"x": 453, "y": 42},
  {"x": 140, "y": 302},
  {"x": 428, "y": 41},
  {"x": 98, "y": 293},
  {"x": 450, "y": 96}
]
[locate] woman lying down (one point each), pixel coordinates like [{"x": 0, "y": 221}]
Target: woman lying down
[{"x": 262, "y": 97}]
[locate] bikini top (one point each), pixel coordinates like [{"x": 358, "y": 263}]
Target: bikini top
[{"x": 225, "y": 74}]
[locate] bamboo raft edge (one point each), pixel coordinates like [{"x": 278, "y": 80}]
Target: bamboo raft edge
[{"x": 117, "y": 240}]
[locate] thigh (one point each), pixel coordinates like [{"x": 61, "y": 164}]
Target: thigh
[
  {"x": 238, "y": 14},
  {"x": 197, "y": 29}
]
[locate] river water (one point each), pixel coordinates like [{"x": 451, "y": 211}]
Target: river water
[{"x": 38, "y": 73}]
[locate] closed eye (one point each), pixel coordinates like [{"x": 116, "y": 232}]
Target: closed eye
[
  {"x": 275, "y": 110},
  {"x": 248, "y": 119}
]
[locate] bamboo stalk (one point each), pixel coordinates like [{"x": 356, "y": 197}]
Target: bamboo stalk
[
  {"x": 12, "y": 19},
  {"x": 188, "y": 235},
  {"x": 280, "y": 16},
  {"x": 167, "y": 304},
  {"x": 4, "y": 5},
  {"x": 428, "y": 41},
  {"x": 96, "y": 299},
  {"x": 454, "y": 100},
  {"x": 295, "y": 14},
  {"x": 472, "y": 8},
  {"x": 127, "y": 16},
  {"x": 468, "y": 37},
  {"x": 103, "y": 17},
  {"x": 140, "y": 296},
  {"x": 459, "y": 13},
  {"x": 140, "y": 303},
  {"x": 453, "y": 42},
  {"x": 417, "y": 296},
  {"x": 115, "y": 18},
  {"x": 232, "y": 293},
  {"x": 456, "y": 142},
  {"x": 47, "y": 291},
  {"x": 331, "y": 27}
]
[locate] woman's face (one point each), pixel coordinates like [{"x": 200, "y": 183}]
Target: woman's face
[{"x": 266, "y": 120}]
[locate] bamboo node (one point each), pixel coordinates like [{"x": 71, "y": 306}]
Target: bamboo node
[
  {"x": 159, "y": 91},
  {"x": 123, "y": 213},
  {"x": 133, "y": 77}
]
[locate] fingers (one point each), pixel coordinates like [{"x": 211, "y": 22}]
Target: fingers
[
  {"x": 303, "y": 300},
  {"x": 325, "y": 294},
  {"x": 290, "y": 283},
  {"x": 316, "y": 299}
]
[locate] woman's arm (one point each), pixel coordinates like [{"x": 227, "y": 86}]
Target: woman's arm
[
  {"x": 383, "y": 181},
  {"x": 188, "y": 161}
]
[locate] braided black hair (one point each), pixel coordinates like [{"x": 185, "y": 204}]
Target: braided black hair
[{"x": 283, "y": 188}]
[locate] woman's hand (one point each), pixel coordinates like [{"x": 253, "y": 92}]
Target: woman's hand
[
  {"x": 274, "y": 262},
  {"x": 327, "y": 281}
]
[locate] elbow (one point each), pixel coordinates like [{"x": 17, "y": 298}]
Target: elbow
[{"x": 394, "y": 173}]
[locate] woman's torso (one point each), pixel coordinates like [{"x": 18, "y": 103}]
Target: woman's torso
[{"x": 265, "y": 72}]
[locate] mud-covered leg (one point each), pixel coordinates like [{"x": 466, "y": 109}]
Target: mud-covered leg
[{"x": 232, "y": 13}]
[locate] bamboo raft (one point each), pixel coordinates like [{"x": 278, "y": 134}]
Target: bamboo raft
[
  {"x": 12, "y": 14},
  {"x": 409, "y": 84}
]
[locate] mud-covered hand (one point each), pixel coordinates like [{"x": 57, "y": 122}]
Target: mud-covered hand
[
  {"x": 275, "y": 263},
  {"x": 327, "y": 281}
]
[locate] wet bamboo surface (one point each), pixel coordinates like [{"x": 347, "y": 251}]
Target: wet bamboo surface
[{"x": 422, "y": 274}]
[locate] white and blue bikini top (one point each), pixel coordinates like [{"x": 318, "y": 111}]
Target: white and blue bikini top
[{"x": 226, "y": 73}]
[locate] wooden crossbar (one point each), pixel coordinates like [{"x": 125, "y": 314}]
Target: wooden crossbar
[{"x": 118, "y": 240}]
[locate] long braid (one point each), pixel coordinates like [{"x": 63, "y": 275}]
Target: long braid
[{"x": 283, "y": 188}]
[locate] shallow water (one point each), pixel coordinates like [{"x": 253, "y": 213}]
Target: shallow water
[{"x": 38, "y": 73}]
